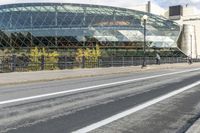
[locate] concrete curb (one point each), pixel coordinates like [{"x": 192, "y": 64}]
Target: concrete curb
[
  {"x": 40, "y": 76},
  {"x": 195, "y": 128}
]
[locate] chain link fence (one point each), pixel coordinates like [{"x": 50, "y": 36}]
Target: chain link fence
[{"x": 26, "y": 63}]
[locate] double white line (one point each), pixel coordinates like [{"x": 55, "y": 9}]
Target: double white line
[{"x": 89, "y": 88}]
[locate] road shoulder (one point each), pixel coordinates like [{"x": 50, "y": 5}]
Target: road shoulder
[{"x": 41, "y": 76}]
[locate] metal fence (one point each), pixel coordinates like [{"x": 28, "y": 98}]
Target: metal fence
[{"x": 27, "y": 63}]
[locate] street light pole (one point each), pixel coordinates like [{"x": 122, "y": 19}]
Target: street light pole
[
  {"x": 191, "y": 46},
  {"x": 144, "y": 19}
]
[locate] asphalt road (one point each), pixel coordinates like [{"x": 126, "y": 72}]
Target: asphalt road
[{"x": 98, "y": 98}]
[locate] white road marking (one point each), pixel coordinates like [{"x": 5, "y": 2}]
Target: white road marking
[
  {"x": 91, "y": 87},
  {"x": 134, "y": 109}
]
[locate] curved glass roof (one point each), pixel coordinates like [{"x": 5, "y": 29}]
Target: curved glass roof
[
  {"x": 83, "y": 21},
  {"x": 54, "y": 15}
]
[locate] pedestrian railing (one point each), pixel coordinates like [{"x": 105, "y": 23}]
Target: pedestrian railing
[{"x": 27, "y": 63}]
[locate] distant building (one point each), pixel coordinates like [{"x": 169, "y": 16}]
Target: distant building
[{"x": 188, "y": 17}]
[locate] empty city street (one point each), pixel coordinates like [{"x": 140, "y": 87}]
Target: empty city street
[
  {"x": 99, "y": 66},
  {"x": 152, "y": 101}
]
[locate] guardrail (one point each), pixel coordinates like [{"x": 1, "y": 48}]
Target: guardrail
[{"x": 27, "y": 63}]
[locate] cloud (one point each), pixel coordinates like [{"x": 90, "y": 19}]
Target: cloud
[
  {"x": 101, "y": 2},
  {"x": 117, "y": 3},
  {"x": 167, "y": 3},
  {"x": 195, "y": 1}
]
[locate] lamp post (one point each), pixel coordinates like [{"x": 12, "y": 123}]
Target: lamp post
[
  {"x": 144, "y": 20},
  {"x": 191, "y": 46}
]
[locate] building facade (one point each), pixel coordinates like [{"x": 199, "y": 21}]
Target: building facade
[
  {"x": 189, "y": 18},
  {"x": 71, "y": 26}
]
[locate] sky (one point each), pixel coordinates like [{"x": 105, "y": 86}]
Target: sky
[{"x": 118, "y": 3}]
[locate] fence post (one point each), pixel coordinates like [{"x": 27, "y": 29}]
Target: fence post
[
  {"x": 83, "y": 61},
  {"x": 66, "y": 62},
  {"x": 111, "y": 61},
  {"x": 14, "y": 57},
  {"x": 132, "y": 61},
  {"x": 98, "y": 62},
  {"x": 42, "y": 62},
  {"x": 1, "y": 65},
  {"x": 123, "y": 61}
]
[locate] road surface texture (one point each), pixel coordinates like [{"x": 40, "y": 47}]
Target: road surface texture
[
  {"x": 40, "y": 76},
  {"x": 78, "y": 105}
]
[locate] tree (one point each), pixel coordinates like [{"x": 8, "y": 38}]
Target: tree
[
  {"x": 51, "y": 58},
  {"x": 79, "y": 55},
  {"x": 91, "y": 56},
  {"x": 87, "y": 53},
  {"x": 98, "y": 51}
]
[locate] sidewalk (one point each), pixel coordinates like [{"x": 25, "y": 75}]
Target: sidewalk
[
  {"x": 25, "y": 77},
  {"x": 195, "y": 128}
]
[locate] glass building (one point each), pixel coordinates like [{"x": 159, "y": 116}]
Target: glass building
[{"x": 71, "y": 26}]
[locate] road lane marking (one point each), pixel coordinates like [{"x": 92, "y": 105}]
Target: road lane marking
[
  {"x": 134, "y": 109},
  {"x": 90, "y": 87}
]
